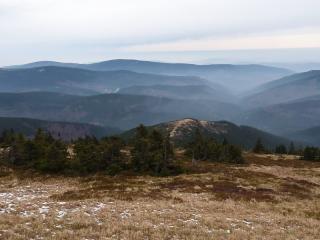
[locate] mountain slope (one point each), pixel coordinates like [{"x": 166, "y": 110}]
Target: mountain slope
[
  {"x": 310, "y": 135},
  {"x": 45, "y": 64},
  {"x": 181, "y": 132},
  {"x": 286, "y": 89},
  {"x": 127, "y": 111},
  {"x": 235, "y": 77},
  {"x": 62, "y": 130},
  {"x": 180, "y": 92},
  {"x": 82, "y": 82},
  {"x": 286, "y": 117},
  {"x": 38, "y": 105},
  {"x": 122, "y": 111}
]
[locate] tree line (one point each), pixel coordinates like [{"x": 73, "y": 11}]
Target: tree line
[
  {"x": 203, "y": 148},
  {"x": 307, "y": 153},
  {"x": 149, "y": 151}
]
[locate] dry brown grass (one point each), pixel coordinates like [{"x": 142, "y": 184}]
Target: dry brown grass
[{"x": 268, "y": 198}]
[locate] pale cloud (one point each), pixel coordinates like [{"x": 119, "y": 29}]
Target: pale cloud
[
  {"x": 304, "y": 39},
  {"x": 88, "y": 29}
]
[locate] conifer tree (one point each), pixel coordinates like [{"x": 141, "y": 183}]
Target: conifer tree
[
  {"x": 259, "y": 148},
  {"x": 201, "y": 148},
  {"x": 140, "y": 151},
  {"x": 17, "y": 150},
  {"x": 281, "y": 149},
  {"x": 225, "y": 141},
  {"x": 152, "y": 152},
  {"x": 55, "y": 159},
  {"x": 88, "y": 157},
  {"x": 292, "y": 149},
  {"x": 311, "y": 154}
]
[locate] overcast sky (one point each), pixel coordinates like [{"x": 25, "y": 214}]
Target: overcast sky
[{"x": 93, "y": 30}]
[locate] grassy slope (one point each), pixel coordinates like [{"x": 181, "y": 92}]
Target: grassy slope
[{"x": 271, "y": 196}]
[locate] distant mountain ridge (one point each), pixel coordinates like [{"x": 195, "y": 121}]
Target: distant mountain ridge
[
  {"x": 286, "y": 89},
  {"x": 84, "y": 82},
  {"x": 44, "y": 64},
  {"x": 181, "y": 132},
  {"x": 124, "y": 93},
  {"x": 235, "y": 77},
  {"x": 310, "y": 135},
  {"x": 125, "y": 111},
  {"x": 191, "y": 92},
  {"x": 115, "y": 110},
  {"x": 286, "y": 117},
  {"x": 60, "y": 130}
]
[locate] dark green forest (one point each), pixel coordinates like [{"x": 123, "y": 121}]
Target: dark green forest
[{"x": 148, "y": 152}]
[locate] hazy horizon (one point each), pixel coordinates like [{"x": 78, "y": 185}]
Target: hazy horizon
[
  {"x": 172, "y": 31},
  {"x": 285, "y": 58}
]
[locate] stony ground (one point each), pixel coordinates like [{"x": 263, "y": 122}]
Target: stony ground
[{"x": 271, "y": 197}]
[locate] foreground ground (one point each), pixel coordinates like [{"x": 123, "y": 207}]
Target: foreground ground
[{"x": 271, "y": 197}]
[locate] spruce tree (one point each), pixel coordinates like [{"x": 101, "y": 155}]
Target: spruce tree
[
  {"x": 292, "y": 149},
  {"x": 17, "y": 150},
  {"x": 225, "y": 141},
  {"x": 55, "y": 160},
  {"x": 311, "y": 154},
  {"x": 140, "y": 152},
  {"x": 110, "y": 149},
  {"x": 259, "y": 148},
  {"x": 281, "y": 149},
  {"x": 88, "y": 157}
]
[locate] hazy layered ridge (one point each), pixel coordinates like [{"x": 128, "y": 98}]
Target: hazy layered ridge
[
  {"x": 282, "y": 106},
  {"x": 286, "y": 89},
  {"x": 194, "y": 92},
  {"x": 310, "y": 135},
  {"x": 123, "y": 111},
  {"x": 60, "y": 130},
  {"x": 235, "y": 77},
  {"x": 286, "y": 117},
  {"x": 182, "y": 131},
  {"x": 84, "y": 82}
]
